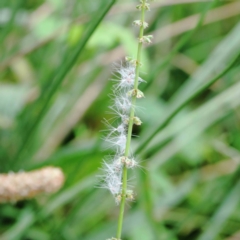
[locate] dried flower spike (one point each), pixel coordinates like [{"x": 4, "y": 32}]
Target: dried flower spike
[{"x": 25, "y": 185}]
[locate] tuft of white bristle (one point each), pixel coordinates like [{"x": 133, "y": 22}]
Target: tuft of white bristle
[{"x": 116, "y": 133}]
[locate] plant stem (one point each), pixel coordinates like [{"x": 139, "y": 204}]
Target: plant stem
[
  {"x": 130, "y": 126},
  {"x": 122, "y": 205}
]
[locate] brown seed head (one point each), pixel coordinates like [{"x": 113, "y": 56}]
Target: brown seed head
[{"x": 25, "y": 185}]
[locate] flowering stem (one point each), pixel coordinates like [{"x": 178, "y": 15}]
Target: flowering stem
[{"x": 130, "y": 125}]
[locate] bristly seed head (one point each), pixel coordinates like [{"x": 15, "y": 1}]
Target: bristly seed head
[
  {"x": 125, "y": 94},
  {"x": 126, "y": 78},
  {"x": 116, "y": 136}
]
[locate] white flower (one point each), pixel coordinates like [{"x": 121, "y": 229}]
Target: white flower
[
  {"x": 123, "y": 116},
  {"x": 123, "y": 103},
  {"x": 118, "y": 142},
  {"x": 120, "y": 129},
  {"x": 127, "y": 78}
]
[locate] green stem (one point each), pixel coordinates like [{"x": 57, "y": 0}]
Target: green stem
[
  {"x": 122, "y": 205},
  {"x": 130, "y": 127}
]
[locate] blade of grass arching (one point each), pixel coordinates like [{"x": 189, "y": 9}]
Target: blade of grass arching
[
  {"x": 80, "y": 213},
  {"x": 176, "y": 195},
  {"x": 182, "y": 42},
  {"x": 181, "y": 100},
  {"x": 169, "y": 200},
  {"x": 181, "y": 104},
  {"x": 62, "y": 72},
  {"x": 197, "y": 122},
  {"x": 148, "y": 203},
  {"x": 208, "y": 203},
  {"x": 214, "y": 226},
  {"x": 68, "y": 154},
  {"x": 67, "y": 195},
  {"x": 70, "y": 115},
  {"x": 219, "y": 13},
  {"x": 26, "y": 50},
  {"x": 172, "y": 198}
]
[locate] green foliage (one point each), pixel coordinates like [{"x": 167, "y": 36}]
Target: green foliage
[{"x": 56, "y": 60}]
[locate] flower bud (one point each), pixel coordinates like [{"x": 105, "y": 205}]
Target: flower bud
[
  {"x": 137, "y": 121},
  {"x": 130, "y": 195},
  {"x": 118, "y": 198},
  {"x": 132, "y": 61},
  {"x": 128, "y": 162},
  {"x": 145, "y": 6},
  {"x": 140, "y": 23},
  {"x": 146, "y": 39},
  {"x": 135, "y": 93}
]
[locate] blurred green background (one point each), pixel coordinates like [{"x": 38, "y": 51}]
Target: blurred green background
[{"x": 56, "y": 60}]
